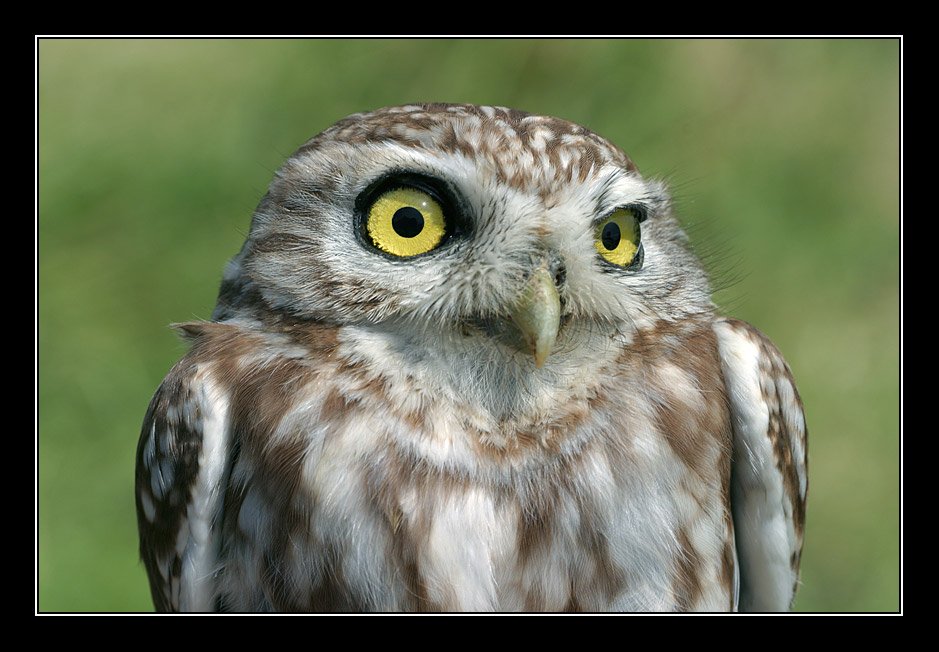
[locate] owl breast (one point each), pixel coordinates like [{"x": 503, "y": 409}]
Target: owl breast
[{"x": 393, "y": 501}]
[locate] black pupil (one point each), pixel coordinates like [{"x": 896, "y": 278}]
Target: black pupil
[
  {"x": 407, "y": 222},
  {"x": 610, "y": 236}
]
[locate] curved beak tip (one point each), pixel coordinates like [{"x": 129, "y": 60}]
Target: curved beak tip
[{"x": 537, "y": 315}]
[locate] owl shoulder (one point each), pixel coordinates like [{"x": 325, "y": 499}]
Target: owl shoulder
[
  {"x": 182, "y": 462},
  {"x": 224, "y": 386},
  {"x": 769, "y": 474}
]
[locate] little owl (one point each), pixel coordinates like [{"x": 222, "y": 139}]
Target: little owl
[{"x": 467, "y": 361}]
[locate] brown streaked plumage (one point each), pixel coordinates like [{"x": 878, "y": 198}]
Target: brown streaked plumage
[{"x": 362, "y": 430}]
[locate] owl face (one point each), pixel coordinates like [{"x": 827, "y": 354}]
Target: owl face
[{"x": 488, "y": 231}]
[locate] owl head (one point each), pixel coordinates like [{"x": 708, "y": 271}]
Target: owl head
[{"x": 478, "y": 230}]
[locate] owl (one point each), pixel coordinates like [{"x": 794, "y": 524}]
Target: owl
[{"x": 466, "y": 360}]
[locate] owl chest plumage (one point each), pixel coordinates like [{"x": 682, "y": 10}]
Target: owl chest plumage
[{"x": 348, "y": 490}]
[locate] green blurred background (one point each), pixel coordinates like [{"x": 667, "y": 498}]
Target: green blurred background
[{"x": 152, "y": 154}]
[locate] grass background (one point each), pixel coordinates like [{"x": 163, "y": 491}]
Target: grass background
[{"x": 152, "y": 154}]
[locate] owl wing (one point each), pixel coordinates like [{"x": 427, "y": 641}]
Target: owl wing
[
  {"x": 769, "y": 475},
  {"x": 183, "y": 462}
]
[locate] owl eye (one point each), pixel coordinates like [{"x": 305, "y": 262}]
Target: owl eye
[
  {"x": 618, "y": 238},
  {"x": 405, "y": 221}
]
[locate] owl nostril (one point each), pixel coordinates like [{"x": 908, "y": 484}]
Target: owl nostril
[{"x": 553, "y": 263}]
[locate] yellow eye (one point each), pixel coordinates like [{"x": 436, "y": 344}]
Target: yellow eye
[
  {"x": 405, "y": 222},
  {"x": 618, "y": 238}
]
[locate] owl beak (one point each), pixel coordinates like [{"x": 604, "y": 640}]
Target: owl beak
[{"x": 537, "y": 314}]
